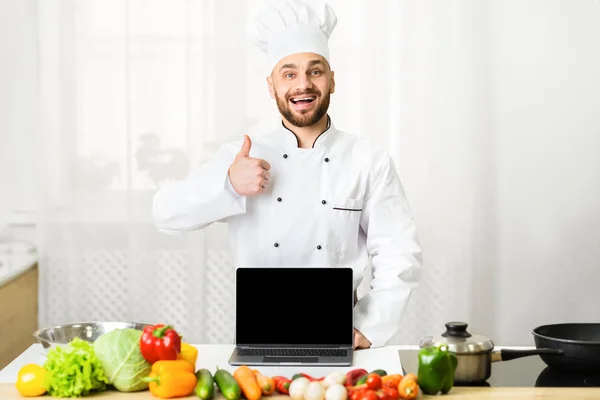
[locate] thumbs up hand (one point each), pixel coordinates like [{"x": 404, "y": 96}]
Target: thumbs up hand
[{"x": 249, "y": 176}]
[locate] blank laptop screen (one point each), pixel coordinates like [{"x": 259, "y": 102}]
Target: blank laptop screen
[{"x": 294, "y": 306}]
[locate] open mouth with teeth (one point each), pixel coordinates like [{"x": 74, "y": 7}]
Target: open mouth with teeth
[{"x": 302, "y": 102}]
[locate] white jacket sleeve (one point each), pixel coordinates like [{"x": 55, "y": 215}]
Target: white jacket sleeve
[
  {"x": 206, "y": 196},
  {"x": 392, "y": 242}
]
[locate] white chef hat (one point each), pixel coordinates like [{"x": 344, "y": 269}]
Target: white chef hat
[{"x": 287, "y": 27}]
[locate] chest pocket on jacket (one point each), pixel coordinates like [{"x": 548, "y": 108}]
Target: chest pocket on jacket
[{"x": 344, "y": 224}]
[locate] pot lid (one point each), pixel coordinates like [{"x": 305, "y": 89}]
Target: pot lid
[{"x": 459, "y": 340}]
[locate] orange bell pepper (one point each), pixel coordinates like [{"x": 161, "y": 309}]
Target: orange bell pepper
[{"x": 171, "y": 378}]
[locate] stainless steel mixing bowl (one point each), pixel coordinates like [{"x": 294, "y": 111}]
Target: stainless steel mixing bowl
[{"x": 88, "y": 331}]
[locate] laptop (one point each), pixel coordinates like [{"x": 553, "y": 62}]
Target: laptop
[{"x": 294, "y": 316}]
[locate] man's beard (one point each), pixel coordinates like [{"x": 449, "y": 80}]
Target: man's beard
[{"x": 304, "y": 119}]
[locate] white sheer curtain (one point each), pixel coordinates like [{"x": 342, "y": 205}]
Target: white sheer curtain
[{"x": 136, "y": 93}]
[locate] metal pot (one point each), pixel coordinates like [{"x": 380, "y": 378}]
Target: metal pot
[{"x": 475, "y": 353}]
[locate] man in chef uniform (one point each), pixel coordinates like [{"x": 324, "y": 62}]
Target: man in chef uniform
[{"x": 307, "y": 193}]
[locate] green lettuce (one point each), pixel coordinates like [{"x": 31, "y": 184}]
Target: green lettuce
[
  {"x": 122, "y": 360},
  {"x": 74, "y": 370}
]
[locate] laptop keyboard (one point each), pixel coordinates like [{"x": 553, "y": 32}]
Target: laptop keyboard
[{"x": 294, "y": 352}]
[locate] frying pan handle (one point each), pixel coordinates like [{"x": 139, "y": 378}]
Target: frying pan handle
[{"x": 507, "y": 354}]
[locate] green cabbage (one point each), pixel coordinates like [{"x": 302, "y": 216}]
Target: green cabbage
[
  {"x": 74, "y": 370},
  {"x": 120, "y": 354}
]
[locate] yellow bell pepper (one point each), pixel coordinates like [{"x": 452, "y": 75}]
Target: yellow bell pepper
[
  {"x": 30, "y": 380},
  {"x": 172, "y": 365},
  {"x": 188, "y": 353}
]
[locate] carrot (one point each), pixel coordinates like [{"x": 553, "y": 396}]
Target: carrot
[
  {"x": 266, "y": 383},
  {"x": 248, "y": 383}
]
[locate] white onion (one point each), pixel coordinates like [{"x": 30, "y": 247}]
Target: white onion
[
  {"x": 333, "y": 378},
  {"x": 337, "y": 391},
  {"x": 298, "y": 388},
  {"x": 314, "y": 391}
]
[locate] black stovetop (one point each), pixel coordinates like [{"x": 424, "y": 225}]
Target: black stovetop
[{"x": 521, "y": 372}]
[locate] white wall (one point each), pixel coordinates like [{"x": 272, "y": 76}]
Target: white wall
[
  {"x": 500, "y": 154},
  {"x": 545, "y": 209},
  {"x": 6, "y": 74},
  {"x": 18, "y": 104}
]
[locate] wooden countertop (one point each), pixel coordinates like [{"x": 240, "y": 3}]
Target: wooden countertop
[{"x": 9, "y": 392}]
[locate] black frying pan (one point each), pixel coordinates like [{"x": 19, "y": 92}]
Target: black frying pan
[{"x": 580, "y": 343}]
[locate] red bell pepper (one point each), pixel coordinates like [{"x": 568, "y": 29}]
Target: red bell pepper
[
  {"x": 282, "y": 384},
  {"x": 160, "y": 342},
  {"x": 311, "y": 378},
  {"x": 353, "y": 376}
]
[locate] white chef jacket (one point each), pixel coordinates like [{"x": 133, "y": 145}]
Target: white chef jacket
[{"x": 339, "y": 203}]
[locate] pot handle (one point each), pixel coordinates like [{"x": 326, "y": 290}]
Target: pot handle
[{"x": 507, "y": 354}]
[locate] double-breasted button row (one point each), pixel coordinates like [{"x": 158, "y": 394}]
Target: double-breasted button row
[{"x": 279, "y": 199}]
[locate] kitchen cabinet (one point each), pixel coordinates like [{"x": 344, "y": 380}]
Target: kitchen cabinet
[{"x": 18, "y": 313}]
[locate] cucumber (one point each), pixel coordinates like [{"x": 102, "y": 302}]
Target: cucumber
[
  {"x": 379, "y": 372},
  {"x": 205, "y": 388},
  {"x": 227, "y": 385}
]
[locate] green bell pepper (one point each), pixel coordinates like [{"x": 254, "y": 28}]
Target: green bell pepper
[{"x": 436, "y": 370}]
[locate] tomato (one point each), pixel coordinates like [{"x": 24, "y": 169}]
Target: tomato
[
  {"x": 383, "y": 395},
  {"x": 30, "y": 380},
  {"x": 369, "y": 395},
  {"x": 374, "y": 382},
  {"x": 356, "y": 394},
  {"x": 391, "y": 393}
]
